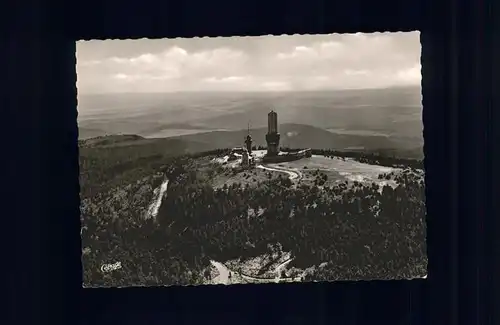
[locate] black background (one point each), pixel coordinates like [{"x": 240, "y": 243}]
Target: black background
[{"x": 39, "y": 165}]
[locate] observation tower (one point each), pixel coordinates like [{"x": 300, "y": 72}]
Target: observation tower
[{"x": 272, "y": 136}]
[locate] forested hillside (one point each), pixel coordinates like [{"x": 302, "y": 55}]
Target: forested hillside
[{"x": 362, "y": 232}]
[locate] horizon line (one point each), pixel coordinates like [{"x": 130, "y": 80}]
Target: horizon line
[{"x": 249, "y": 91}]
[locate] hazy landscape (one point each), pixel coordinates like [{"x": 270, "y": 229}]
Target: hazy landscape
[
  {"x": 173, "y": 195},
  {"x": 375, "y": 119}
]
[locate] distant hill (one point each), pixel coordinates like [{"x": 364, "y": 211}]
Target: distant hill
[
  {"x": 132, "y": 142},
  {"x": 86, "y": 132},
  {"x": 292, "y": 136},
  {"x": 179, "y": 126},
  {"x": 306, "y": 136},
  {"x": 111, "y": 140}
]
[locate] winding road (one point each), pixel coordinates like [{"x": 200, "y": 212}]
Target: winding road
[
  {"x": 281, "y": 266},
  {"x": 293, "y": 174},
  {"x": 225, "y": 278}
]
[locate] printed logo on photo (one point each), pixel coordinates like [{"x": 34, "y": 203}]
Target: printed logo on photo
[{"x": 111, "y": 267}]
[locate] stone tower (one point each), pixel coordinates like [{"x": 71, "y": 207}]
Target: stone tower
[{"x": 272, "y": 136}]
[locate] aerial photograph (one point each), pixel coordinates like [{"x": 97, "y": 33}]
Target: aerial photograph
[{"x": 246, "y": 160}]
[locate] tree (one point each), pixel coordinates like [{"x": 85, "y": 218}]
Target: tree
[{"x": 287, "y": 182}]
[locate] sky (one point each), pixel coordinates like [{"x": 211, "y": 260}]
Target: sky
[{"x": 264, "y": 63}]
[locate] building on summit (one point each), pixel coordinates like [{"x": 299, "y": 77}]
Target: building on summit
[
  {"x": 245, "y": 159},
  {"x": 273, "y": 144},
  {"x": 248, "y": 159},
  {"x": 272, "y": 136},
  {"x": 248, "y": 141},
  {"x": 245, "y": 152}
]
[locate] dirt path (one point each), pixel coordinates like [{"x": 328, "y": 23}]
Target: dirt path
[
  {"x": 228, "y": 276},
  {"x": 292, "y": 174}
]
